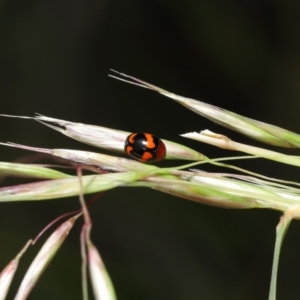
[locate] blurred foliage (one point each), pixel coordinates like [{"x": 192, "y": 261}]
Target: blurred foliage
[{"x": 240, "y": 55}]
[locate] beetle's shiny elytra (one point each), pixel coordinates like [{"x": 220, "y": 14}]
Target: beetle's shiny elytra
[{"x": 145, "y": 147}]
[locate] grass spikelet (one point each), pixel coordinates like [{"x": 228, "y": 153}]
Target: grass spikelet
[
  {"x": 244, "y": 190},
  {"x": 44, "y": 257},
  {"x": 254, "y": 129},
  {"x": 8, "y": 273}
]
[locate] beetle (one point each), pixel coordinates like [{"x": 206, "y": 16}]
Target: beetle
[{"x": 145, "y": 147}]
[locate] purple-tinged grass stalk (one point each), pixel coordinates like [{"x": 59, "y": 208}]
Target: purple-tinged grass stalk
[
  {"x": 9, "y": 271},
  {"x": 44, "y": 257},
  {"x": 101, "y": 283}
]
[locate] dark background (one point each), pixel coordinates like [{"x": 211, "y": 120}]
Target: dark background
[{"x": 240, "y": 55}]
